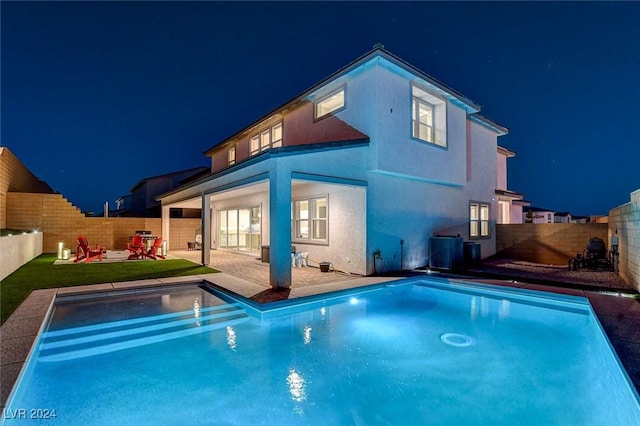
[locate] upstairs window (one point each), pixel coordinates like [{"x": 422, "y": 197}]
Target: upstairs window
[
  {"x": 428, "y": 117},
  {"x": 422, "y": 120},
  {"x": 232, "y": 156},
  {"x": 265, "y": 139},
  {"x": 268, "y": 138},
  {"x": 276, "y": 136},
  {"x": 254, "y": 143},
  {"x": 478, "y": 220},
  {"x": 331, "y": 103}
]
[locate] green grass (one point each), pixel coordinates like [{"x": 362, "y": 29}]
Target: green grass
[{"x": 41, "y": 273}]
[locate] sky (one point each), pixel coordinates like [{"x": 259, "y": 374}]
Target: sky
[{"x": 96, "y": 96}]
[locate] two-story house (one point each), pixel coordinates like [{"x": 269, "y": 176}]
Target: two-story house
[{"x": 360, "y": 170}]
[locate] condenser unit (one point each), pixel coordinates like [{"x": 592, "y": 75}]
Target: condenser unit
[{"x": 446, "y": 252}]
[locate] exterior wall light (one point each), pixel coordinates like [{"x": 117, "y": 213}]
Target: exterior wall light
[{"x": 60, "y": 248}]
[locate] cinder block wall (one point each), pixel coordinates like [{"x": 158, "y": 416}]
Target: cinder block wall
[
  {"x": 548, "y": 243},
  {"x": 15, "y": 177},
  {"x": 59, "y": 220},
  {"x": 626, "y": 220}
]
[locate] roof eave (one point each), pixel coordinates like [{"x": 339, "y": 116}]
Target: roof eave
[{"x": 377, "y": 51}]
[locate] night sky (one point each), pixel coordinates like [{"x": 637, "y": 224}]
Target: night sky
[{"x": 96, "y": 96}]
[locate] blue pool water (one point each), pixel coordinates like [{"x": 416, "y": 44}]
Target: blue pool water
[{"x": 420, "y": 352}]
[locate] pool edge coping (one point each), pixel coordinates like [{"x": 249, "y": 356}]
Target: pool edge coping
[{"x": 93, "y": 290}]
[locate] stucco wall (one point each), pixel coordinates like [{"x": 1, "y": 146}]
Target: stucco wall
[
  {"x": 17, "y": 250},
  {"x": 548, "y": 243},
  {"x": 347, "y": 226},
  {"x": 625, "y": 220}
]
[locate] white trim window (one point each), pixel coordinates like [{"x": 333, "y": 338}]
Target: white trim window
[
  {"x": 311, "y": 220},
  {"x": 478, "y": 220},
  {"x": 428, "y": 117},
  {"x": 422, "y": 113},
  {"x": 267, "y": 138},
  {"x": 333, "y": 102},
  {"x": 254, "y": 144},
  {"x": 276, "y": 136},
  {"x": 231, "y": 156}
]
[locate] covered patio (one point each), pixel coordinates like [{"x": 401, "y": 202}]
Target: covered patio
[{"x": 244, "y": 274}]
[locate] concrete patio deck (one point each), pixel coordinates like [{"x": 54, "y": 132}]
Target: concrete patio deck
[{"x": 248, "y": 277}]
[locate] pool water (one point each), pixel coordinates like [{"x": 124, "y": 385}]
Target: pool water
[{"x": 420, "y": 352}]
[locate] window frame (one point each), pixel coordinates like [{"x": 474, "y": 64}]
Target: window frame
[
  {"x": 231, "y": 156},
  {"x": 439, "y": 106},
  {"x": 276, "y": 143},
  {"x": 311, "y": 220},
  {"x": 416, "y": 123},
  {"x": 479, "y": 227},
  {"x": 256, "y": 141},
  {"x": 320, "y": 100},
  {"x": 254, "y": 149}
]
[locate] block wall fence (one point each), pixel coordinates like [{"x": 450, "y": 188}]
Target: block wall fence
[
  {"x": 59, "y": 220},
  {"x": 625, "y": 219},
  {"x": 15, "y": 177},
  {"x": 552, "y": 243},
  {"x": 548, "y": 243}
]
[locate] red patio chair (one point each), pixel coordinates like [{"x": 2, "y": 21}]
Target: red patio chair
[
  {"x": 85, "y": 252},
  {"x": 136, "y": 247},
  {"x": 155, "y": 251}
]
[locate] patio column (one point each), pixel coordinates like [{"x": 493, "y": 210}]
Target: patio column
[
  {"x": 280, "y": 228},
  {"x": 166, "y": 217},
  {"x": 206, "y": 229}
]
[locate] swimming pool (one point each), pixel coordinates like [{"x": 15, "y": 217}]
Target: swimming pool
[{"x": 415, "y": 352}]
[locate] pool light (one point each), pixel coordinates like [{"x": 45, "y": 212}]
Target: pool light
[
  {"x": 296, "y": 386},
  {"x": 353, "y": 301}
]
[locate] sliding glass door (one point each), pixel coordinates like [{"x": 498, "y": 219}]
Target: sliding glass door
[{"x": 239, "y": 229}]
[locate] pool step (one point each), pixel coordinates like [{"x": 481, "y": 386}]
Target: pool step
[{"x": 81, "y": 342}]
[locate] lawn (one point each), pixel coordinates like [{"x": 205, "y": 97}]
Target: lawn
[{"x": 41, "y": 273}]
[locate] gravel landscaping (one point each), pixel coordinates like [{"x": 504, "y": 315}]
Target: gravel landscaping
[{"x": 551, "y": 274}]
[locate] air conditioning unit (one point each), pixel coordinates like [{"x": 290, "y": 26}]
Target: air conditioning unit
[{"x": 446, "y": 252}]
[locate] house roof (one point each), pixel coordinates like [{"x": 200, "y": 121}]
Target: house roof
[
  {"x": 538, "y": 209},
  {"x": 400, "y": 65},
  {"x": 190, "y": 172},
  {"x": 505, "y": 151},
  {"x": 507, "y": 193},
  {"x": 489, "y": 124},
  {"x": 266, "y": 155}
]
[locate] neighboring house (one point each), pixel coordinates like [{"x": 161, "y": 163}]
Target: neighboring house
[
  {"x": 580, "y": 219},
  {"x": 509, "y": 203},
  {"x": 538, "y": 215},
  {"x": 142, "y": 200},
  {"x": 123, "y": 206},
  {"x": 360, "y": 171},
  {"x": 562, "y": 217}
]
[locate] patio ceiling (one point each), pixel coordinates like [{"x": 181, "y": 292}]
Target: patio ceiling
[{"x": 196, "y": 203}]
